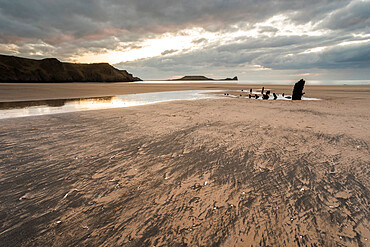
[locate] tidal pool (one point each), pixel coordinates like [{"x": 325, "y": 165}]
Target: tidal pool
[{"x": 44, "y": 107}]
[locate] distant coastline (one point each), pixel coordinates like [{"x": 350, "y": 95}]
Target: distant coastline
[
  {"x": 202, "y": 78},
  {"x": 17, "y": 69}
]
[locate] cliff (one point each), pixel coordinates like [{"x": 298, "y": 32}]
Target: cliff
[{"x": 16, "y": 69}]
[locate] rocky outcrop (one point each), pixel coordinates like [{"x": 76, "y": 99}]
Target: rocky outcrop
[
  {"x": 235, "y": 78},
  {"x": 203, "y": 78},
  {"x": 194, "y": 78},
  {"x": 16, "y": 69}
]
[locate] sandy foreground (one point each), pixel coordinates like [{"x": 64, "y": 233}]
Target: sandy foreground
[{"x": 211, "y": 172}]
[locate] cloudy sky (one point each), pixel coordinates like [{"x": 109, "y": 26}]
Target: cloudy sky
[{"x": 257, "y": 40}]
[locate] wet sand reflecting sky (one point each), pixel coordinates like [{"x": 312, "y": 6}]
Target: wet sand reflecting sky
[{"x": 43, "y": 107}]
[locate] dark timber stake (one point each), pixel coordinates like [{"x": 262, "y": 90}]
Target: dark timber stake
[
  {"x": 263, "y": 89},
  {"x": 297, "y": 90}
]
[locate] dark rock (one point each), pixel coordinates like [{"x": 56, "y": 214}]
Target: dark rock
[
  {"x": 235, "y": 78},
  {"x": 275, "y": 96},
  {"x": 265, "y": 96},
  {"x": 268, "y": 92},
  {"x": 203, "y": 78},
  {"x": 256, "y": 96},
  {"x": 194, "y": 78},
  {"x": 17, "y": 69},
  {"x": 297, "y": 90}
]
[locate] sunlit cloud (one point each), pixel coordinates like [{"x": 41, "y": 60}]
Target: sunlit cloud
[
  {"x": 257, "y": 67},
  {"x": 354, "y": 42},
  {"x": 286, "y": 27},
  {"x": 323, "y": 48},
  {"x": 187, "y": 40},
  {"x": 147, "y": 48},
  {"x": 306, "y": 74},
  {"x": 160, "y": 39}
]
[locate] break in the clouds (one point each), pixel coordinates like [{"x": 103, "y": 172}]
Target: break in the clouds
[{"x": 157, "y": 39}]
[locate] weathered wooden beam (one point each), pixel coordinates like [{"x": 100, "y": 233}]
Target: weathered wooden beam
[{"x": 297, "y": 90}]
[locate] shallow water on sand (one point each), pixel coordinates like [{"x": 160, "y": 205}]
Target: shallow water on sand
[{"x": 44, "y": 107}]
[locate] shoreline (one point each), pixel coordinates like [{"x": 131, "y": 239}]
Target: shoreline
[{"x": 45, "y": 91}]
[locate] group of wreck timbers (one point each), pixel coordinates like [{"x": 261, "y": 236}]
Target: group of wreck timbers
[{"x": 297, "y": 92}]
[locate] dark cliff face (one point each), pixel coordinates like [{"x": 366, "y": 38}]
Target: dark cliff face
[{"x": 16, "y": 69}]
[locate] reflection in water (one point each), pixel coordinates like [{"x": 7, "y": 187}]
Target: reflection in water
[
  {"x": 51, "y": 103},
  {"x": 43, "y": 107}
]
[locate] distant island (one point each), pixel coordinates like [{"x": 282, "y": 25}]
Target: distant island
[
  {"x": 202, "y": 78},
  {"x": 17, "y": 69}
]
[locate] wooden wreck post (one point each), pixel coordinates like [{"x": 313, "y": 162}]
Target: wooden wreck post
[{"x": 297, "y": 90}]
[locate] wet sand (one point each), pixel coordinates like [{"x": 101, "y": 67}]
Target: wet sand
[
  {"x": 221, "y": 172},
  {"x": 43, "y": 91}
]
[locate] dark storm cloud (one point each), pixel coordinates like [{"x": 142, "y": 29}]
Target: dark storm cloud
[
  {"x": 339, "y": 57},
  {"x": 283, "y": 53},
  {"x": 275, "y": 53},
  {"x": 354, "y": 16},
  {"x": 68, "y": 28},
  {"x": 44, "y": 19},
  {"x": 48, "y": 19}
]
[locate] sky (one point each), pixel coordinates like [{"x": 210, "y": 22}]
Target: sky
[{"x": 257, "y": 40}]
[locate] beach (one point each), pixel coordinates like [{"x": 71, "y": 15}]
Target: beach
[
  {"x": 210, "y": 172},
  {"x": 41, "y": 91}
]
